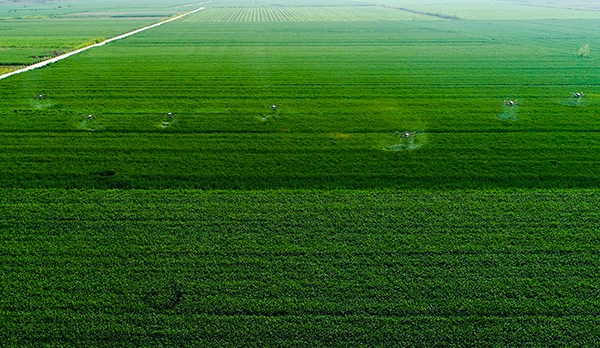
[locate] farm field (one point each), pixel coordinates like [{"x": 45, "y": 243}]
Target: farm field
[
  {"x": 82, "y": 9},
  {"x": 345, "y": 94},
  {"x": 499, "y": 10},
  {"x": 32, "y": 31},
  {"x": 305, "y": 174},
  {"x": 26, "y": 41},
  {"x": 419, "y": 268}
]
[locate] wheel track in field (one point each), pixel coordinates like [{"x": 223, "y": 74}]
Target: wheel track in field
[{"x": 119, "y": 37}]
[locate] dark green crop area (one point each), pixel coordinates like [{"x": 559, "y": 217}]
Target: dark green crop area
[{"x": 293, "y": 268}]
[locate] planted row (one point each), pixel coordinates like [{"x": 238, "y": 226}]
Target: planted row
[{"x": 300, "y": 14}]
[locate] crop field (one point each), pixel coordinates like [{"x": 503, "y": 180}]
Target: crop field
[
  {"x": 309, "y": 173},
  {"x": 419, "y": 268},
  {"x": 500, "y": 10},
  {"x": 32, "y": 31},
  {"x": 81, "y": 9},
  {"x": 345, "y": 93},
  {"x": 27, "y": 41}
]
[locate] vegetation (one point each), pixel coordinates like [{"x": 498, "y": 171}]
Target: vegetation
[
  {"x": 302, "y": 14},
  {"x": 302, "y": 174},
  {"x": 499, "y": 10},
  {"x": 420, "y": 268},
  {"x": 347, "y": 92},
  {"x": 27, "y": 41},
  {"x": 32, "y": 30}
]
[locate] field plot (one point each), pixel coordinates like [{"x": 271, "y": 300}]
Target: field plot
[
  {"x": 28, "y": 41},
  {"x": 86, "y": 9},
  {"x": 346, "y": 94},
  {"x": 418, "y": 268},
  {"x": 582, "y": 5},
  {"x": 33, "y": 31},
  {"x": 497, "y": 10}
]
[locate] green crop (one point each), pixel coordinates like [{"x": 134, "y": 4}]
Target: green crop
[
  {"x": 298, "y": 268},
  {"x": 302, "y": 14},
  {"x": 311, "y": 173},
  {"x": 346, "y": 94},
  {"x": 32, "y": 31}
]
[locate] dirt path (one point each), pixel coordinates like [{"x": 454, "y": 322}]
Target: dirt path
[{"x": 72, "y": 53}]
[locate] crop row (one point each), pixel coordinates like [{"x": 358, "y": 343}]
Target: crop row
[
  {"x": 300, "y": 14},
  {"x": 502, "y": 11},
  {"x": 255, "y": 14}
]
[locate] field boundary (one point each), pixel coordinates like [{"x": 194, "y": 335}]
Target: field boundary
[{"x": 119, "y": 37}]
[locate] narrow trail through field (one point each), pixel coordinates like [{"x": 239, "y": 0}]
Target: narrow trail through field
[{"x": 72, "y": 53}]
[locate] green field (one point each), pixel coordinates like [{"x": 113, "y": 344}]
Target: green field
[
  {"x": 419, "y": 268},
  {"x": 344, "y": 91},
  {"x": 503, "y": 10},
  {"x": 281, "y": 203},
  {"x": 32, "y": 31}
]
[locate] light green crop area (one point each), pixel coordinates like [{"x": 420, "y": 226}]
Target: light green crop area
[
  {"x": 498, "y": 9},
  {"x": 32, "y": 31},
  {"x": 305, "y": 14},
  {"x": 306, "y": 105}
]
